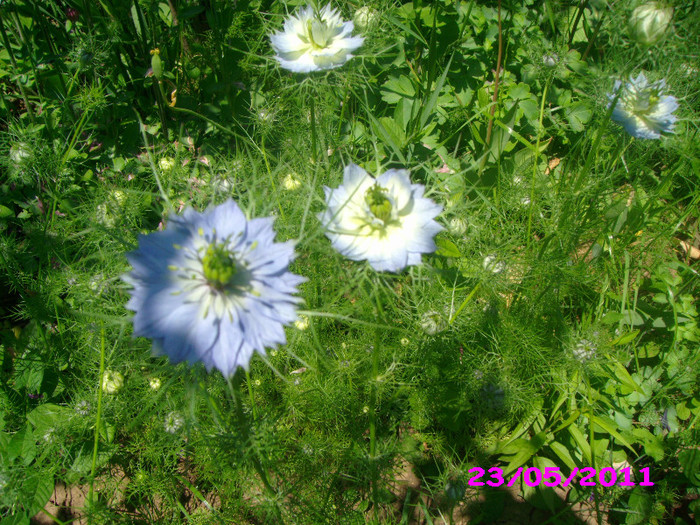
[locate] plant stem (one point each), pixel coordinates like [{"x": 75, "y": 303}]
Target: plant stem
[
  {"x": 234, "y": 386},
  {"x": 534, "y": 167},
  {"x": 98, "y": 422},
  {"x": 496, "y": 78}
]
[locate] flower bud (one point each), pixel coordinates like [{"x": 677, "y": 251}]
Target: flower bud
[
  {"x": 112, "y": 382},
  {"x": 649, "y": 22},
  {"x": 156, "y": 63}
]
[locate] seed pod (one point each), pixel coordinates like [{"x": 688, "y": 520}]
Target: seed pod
[{"x": 649, "y": 22}]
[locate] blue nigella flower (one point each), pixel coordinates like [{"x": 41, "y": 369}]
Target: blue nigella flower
[
  {"x": 642, "y": 108},
  {"x": 213, "y": 287}
]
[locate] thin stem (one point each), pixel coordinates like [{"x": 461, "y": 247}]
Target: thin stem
[
  {"x": 581, "y": 8},
  {"x": 534, "y": 167},
  {"x": 98, "y": 422},
  {"x": 234, "y": 387},
  {"x": 6, "y": 42},
  {"x": 496, "y": 78},
  {"x": 314, "y": 139}
]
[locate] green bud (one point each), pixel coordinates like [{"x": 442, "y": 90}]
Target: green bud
[
  {"x": 649, "y": 22},
  {"x": 156, "y": 63}
]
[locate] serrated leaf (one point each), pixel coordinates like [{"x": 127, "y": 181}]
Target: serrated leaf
[
  {"x": 578, "y": 115},
  {"x": 395, "y": 89}
]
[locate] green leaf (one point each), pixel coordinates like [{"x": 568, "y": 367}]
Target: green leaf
[
  {"x": 6, "y": 212},
  {"x": 578, "y": 115},
  {"x": 582, "y": 443},
  {"x": 606, "y": 424},
  {"x": 689, "y": 460},
  {"x": 17, "y": 519},
  {"x": 395, "y": 89},
  {"x": 48, "y": 416},
  {"x": 519, "y": 452},
  {"x": 23, "y": 445},
  {"x": 446, "y": 247},
  {"x": 38, "y": 490},
  {"x": 391, "y": 134},
  {"x": 623, "y": 339},
  {"x": 562, "y": 452}
]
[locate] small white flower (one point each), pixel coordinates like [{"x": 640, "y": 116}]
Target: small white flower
[
  {"x": 365, "y": 409},
  {"x": 112, "y": 382},
  {"x": 457, "y": 226},
  {"x": 302, "y": 323},
  {"x": 493, "y": 265},
  {"x": 291, "y": 182},
  {"x": 314, "y": 41},
  {"x": 642, "y": 108},
  {"x": 257, "y": 382},
  {"x": 173, "y": 422},
  {"x": 166, "y": 164},
  {"x": 154, "y": 383},
  {"x": 386, "y": 221},
  {"x": 405, "y": 341}
]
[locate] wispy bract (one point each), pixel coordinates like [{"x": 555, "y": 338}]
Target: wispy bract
[
  {"x": 386, "y": 221},
  {"x": 642, "y": 109},
  {"x": 213, "y": 287},
  {"x": 314, "y": 41}
]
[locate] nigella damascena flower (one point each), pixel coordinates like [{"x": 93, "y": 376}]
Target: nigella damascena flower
[
  {"x": 386, "y": 221},
  {"x": 213, "y": 287},
  {"x": 642, "y": 109},
  {"x": 315, "y": 40}
]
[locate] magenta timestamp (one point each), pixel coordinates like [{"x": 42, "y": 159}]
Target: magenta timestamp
[{"x": 552, "y": 477}]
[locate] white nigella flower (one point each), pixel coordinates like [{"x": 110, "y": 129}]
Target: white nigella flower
[
  {"x": 315, "y": 40},
  {"x": 154, "y": 383},
  {"x": 386, "y": 221},
  {"x": 213, "y": 287},
  {"x": 642, "y": 109}
]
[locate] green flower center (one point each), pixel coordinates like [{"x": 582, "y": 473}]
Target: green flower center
[
  {"x": 219, "y": 266},
  {"x": 318, "y": 33},
  {"x": 379, "y": 204},
  {"x": 645, "y": 101}
]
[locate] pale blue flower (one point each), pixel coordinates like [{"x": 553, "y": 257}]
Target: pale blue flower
[
  {"x": 314, "y": 41},
  {"x": 213, "y": 287},
  {"x": 642, "y": 109},
  {"x": 386, "y": 221}
]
